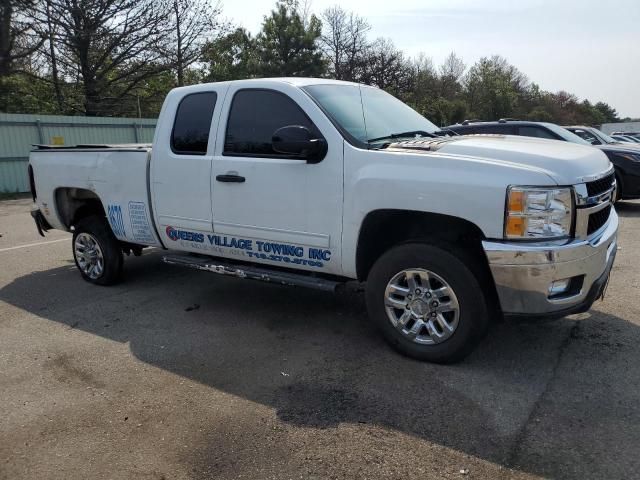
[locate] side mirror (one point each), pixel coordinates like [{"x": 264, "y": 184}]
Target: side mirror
[{"x": 297, "y": 140}]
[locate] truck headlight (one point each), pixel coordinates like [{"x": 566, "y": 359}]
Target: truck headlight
[{"x": 538, "y": 212}]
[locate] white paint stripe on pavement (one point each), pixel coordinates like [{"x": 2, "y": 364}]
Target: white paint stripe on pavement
[{"x": 34, "y": 244}]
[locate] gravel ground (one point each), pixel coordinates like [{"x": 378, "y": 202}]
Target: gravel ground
[{"x": 179, "y": 374}]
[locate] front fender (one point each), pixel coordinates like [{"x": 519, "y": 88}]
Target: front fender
[{"x": 467, "y": 188}]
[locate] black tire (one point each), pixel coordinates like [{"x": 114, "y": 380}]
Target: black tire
[
  {"x": 113, "y": 259},
  {"x": 473, "y": 311}
]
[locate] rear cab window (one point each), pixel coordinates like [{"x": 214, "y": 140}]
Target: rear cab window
[{"x": 190, "y": 134}]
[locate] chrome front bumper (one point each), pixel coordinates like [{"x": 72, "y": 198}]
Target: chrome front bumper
[{"x": 523, "y": 272}]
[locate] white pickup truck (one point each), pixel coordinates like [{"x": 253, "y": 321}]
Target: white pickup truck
[{"x": 316, "y": 182}]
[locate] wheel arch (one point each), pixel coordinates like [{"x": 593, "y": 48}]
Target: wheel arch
[
  {"x": 74, "y": 204},
  {"x": 382, "y": 229}
]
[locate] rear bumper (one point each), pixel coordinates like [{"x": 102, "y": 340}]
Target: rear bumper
[{"x": 524, "y": 272}]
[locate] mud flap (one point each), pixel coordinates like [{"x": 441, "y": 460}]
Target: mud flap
[
  {"x": 41, "y": 223},
  {"x": 603, "y": 292}
]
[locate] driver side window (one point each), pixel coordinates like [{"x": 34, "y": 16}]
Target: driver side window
[
  {"x": 254, "y": 116},
  {"x": 587, "y": 136}
]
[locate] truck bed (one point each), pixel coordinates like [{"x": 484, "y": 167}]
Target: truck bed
[
  {"x": 115, "y": 175},
  {"x": 93, "y": 147}
]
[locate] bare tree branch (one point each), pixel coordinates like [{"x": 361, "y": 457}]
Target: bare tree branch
[
  {"x": 192, "y": 24},
  {"x": 344, "y": 42},
  {"x": 111, "y": 45},
  {"x": 18, "y": 37}
]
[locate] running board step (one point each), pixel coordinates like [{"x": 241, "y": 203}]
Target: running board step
[{"x": 221, "y": 267}]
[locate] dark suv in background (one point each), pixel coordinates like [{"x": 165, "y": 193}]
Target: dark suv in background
[
  {"x": 626, "y": 160},
  {"x": 515, "y": 127}
]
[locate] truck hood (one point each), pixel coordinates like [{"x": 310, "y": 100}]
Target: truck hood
[{"x": 566, "y": 163}]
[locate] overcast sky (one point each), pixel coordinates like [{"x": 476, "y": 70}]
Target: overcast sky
[{"x": 588, "y": 47}]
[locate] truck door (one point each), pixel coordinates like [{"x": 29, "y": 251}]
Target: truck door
[
  {"x": 269, "y": 207},
  {"x": 181, "y": 166}
]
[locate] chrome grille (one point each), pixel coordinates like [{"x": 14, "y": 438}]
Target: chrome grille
[
  {"x": 598, "y": 219},
  {"x": 601, "y": 185},
  {"x": 593, "y": 204}
]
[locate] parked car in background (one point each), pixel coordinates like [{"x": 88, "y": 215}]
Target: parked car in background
[
  {"x": 624, "y": 156},
  {"x": 625, "y": 139},
  {"x": 634, "y": 135},
  {"x": 507, "y": 126},
  {"x": 593, "y": 135}
]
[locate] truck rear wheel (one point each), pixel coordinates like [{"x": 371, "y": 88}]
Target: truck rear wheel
[
  {"x": 97, "y": 252},
  {"x": 428, "y": 303}
]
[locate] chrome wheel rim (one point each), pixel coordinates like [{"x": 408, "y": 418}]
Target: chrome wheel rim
[
  {"x": 422, "y": 306},
  {"x": 89, "y": 255}
]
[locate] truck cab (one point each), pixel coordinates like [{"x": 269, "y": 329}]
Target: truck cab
[{"x": 314, "y": 182}]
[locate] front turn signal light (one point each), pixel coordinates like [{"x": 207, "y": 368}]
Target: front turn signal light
[
  {"x": 516, "y": 226},
  {"x": 538, "y": 212}
]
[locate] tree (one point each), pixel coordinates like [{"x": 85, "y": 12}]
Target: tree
[
  {"x": 562, "y": 106},
  {"x": 609, "y": 113},
  {"x": 19, "y": 41},
  {"x": 230, "y": 57},
  {"x": 191, "y": 22},
  {"x": 24, "y": 94},
  {"x": 386, "y": 67},
  {"x": 120, "y": 57},
  {"x": 110, "y": 45},
  {"x": 344, "y": 42},
  {"x": 18, "y": 38},
  {"x": 493, "y": 88},
  {"x": 451, "y": 72},
  {"x": 424, "y": 85},
  {"x": 286, "y": 47},
  {"x": 539, "y": 114}
]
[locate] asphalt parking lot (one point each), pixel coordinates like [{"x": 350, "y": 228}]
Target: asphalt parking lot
[{"x": 178, "y": 374}]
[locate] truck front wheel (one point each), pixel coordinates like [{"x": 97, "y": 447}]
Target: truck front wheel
[
  {"x": 97, "y": 252},
  {"x": 428, "y": 303}
]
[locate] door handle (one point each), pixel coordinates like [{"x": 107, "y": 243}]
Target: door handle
[{"x": 230, "y": 177}]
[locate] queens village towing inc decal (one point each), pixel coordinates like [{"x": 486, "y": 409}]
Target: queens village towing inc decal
[{"x": 275, "y": 252}]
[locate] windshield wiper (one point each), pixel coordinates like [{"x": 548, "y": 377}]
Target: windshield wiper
[
  {"x": 447, "y": 131},
  {"x": 411, "y": 133}
]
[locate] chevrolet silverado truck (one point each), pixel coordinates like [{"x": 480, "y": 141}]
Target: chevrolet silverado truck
[{"x": 313, "y": 182}]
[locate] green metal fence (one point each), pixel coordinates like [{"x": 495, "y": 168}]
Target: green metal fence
[{"x": 19, "y": 132}]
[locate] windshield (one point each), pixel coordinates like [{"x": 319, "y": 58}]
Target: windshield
[
  {"x": 566, "y": 134},
  {"x": 368, "y": 114},
  {"x": 593, "y": 135},
  {"x": 602, "y": 136}
]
